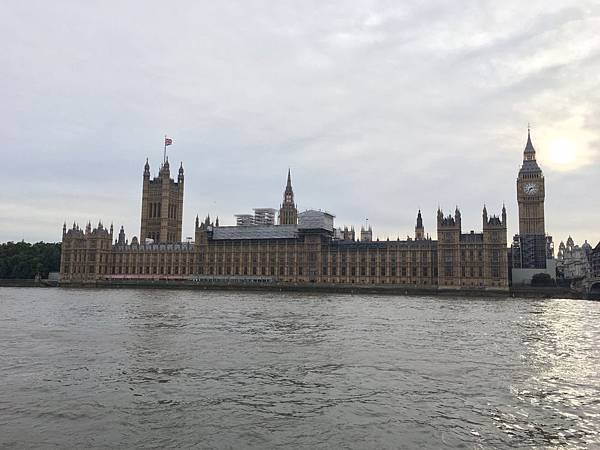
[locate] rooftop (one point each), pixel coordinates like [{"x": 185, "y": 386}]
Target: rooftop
[{"x": 256, "y": 232}]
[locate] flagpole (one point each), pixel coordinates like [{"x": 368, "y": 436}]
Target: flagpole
[{"x": 165, "y": 151}]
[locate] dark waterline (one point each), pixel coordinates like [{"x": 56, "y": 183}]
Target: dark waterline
[{"x": 152, "y": 368}]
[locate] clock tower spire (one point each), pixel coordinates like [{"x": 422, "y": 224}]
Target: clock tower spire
[{"x": 530, "y": 193}]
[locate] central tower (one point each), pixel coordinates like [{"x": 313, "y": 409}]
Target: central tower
[
  {"x": 530, "y": 193},
  {"x": 288, "y": 213}
]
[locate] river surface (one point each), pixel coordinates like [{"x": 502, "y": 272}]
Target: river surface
[{"x": 158, "y": 368}]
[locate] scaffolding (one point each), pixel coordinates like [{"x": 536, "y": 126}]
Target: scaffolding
[
  {"x": 264, "y": 216},
  {"x": 530, "y": 251},
  {"x": 261, "y": 216}
]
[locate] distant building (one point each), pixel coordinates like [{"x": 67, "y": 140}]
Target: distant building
[
  {"x": 264, "y": 216},
  {"x": 261, "y": 216},
  {"x": 595, "y": 261},
  {"x": 366, "y": 234},
  {"x": 572, "y": 262},
  {"x": 345, "y": 234},
  {"x": 587, "y": 249},
  {"x": 244, "y": 220},
  {"x": 419, "y": 230}
]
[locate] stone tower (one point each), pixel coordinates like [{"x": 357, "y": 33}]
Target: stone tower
[
  {"x": 162, "y": 205},
  {"x": 419, "y": 230},
  {"x": 531, "y": 247},
  {"x": 495, "y": 255},
  {"x": 288, "y": 213},
  {"x": 530, "y": 193},
  {"x": 449, "y": 255}
]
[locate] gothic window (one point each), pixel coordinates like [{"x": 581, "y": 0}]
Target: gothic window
[{"x": 448, "y": 263}]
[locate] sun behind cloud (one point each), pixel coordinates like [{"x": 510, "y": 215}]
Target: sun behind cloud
[
  {"x": 566, "y": 146},
  {"x": 562, "y": 151}
]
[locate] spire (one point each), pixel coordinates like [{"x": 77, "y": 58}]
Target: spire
[
  {"x": 217, "y": 222},
  {"x": 197, "y": 221},
  {"x": 457, "y": 216},
  {"x": 121, "y": 240},
  {"x": 419, "y": 220},
  {"x": 288, "y": 186},
  {"x": 288, "y": 214},
  {"x": 146, "y": 169},
  {"x": 529, "y": 153}
]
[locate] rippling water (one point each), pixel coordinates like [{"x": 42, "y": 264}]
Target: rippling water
[{"x": 153, "y": 368}]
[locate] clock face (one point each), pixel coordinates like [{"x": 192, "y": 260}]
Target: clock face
[{"x": 530, "y": 188}]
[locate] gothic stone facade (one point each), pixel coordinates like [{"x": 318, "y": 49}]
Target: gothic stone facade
[
  {"x": 90, "y": 255},
  {"x": 303, "y": 253}
]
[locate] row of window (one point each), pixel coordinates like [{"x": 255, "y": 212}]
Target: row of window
[
  {"x": 124, "y": 270},
  {"x": 302, "y": 270}
]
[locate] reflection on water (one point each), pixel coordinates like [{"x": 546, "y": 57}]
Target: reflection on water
[
  {"x": 560, "y": 349},
  {"x": 133, "y": 368}
]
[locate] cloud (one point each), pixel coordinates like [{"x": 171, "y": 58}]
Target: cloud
[{"x": 379, "y": 108}]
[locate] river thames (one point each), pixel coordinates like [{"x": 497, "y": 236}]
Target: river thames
[{"x": 158, "y": 368}]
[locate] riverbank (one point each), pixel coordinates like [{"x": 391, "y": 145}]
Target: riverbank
[
  {"x": 19, "y": 282},
  {"x": 520, "y": 291}
]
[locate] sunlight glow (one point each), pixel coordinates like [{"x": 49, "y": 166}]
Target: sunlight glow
[{"x": 562, "y": 151}]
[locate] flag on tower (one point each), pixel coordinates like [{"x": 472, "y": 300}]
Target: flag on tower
[{"x": 168, "y": 141}]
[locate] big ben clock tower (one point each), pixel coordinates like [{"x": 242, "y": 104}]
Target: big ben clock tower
[
  {"x": 531, "y": 247},
  {"x": 530, "y": 193}
]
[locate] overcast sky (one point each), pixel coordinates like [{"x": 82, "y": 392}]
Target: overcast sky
[{"x": 379, "y": 108}]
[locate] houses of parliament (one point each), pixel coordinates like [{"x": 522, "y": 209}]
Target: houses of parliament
[{"x": 303, "y": 248}]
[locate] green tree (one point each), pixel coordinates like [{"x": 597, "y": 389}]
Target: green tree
[
  {"x": 24, "y": 260},
  {"x": 542, "y": 279}
]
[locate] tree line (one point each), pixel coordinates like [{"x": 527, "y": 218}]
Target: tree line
[{"x": 24, "y": 260}]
